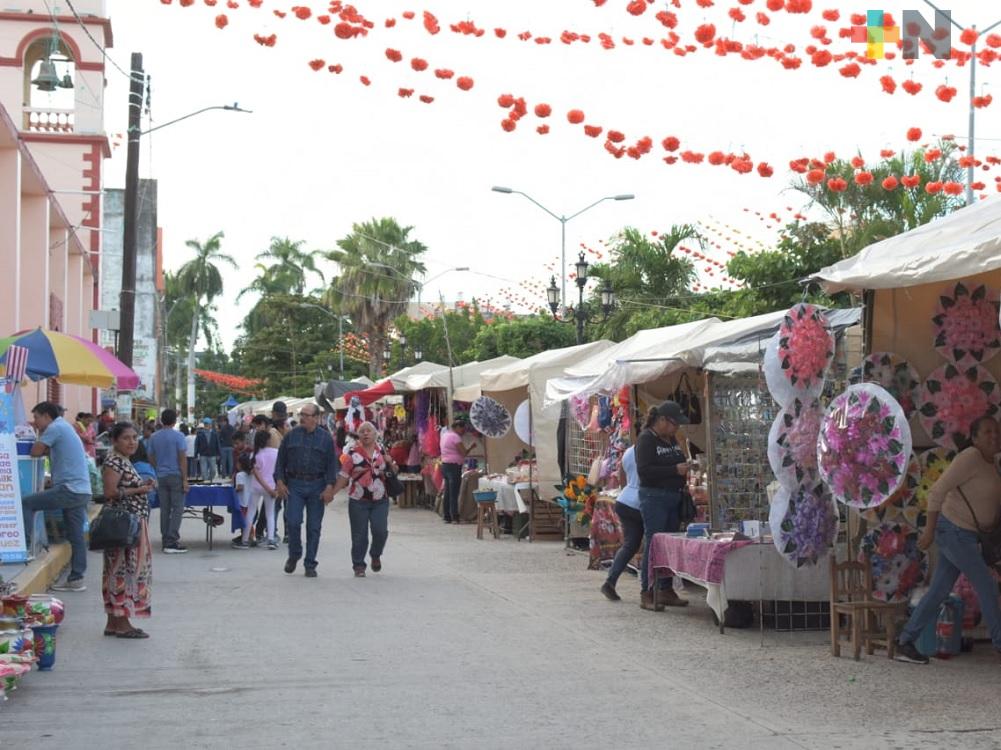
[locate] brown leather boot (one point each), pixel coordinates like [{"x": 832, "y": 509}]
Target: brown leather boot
[{"x": 670, "y": 598}]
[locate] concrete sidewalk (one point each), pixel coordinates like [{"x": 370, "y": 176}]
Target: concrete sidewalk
[{"x": 461, "y": 643}]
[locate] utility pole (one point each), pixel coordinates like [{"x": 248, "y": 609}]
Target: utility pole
[{"x": 127, "y": 302}]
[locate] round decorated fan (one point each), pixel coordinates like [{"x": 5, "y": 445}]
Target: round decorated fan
[
  {"x": 523, "y": 423},
  {"x": 902, "y": 505},
  {"x": 864, "y": 446},
  {"x": 489, "y": 417},
  {"x": 804, "y": 524},
  {"x": 952, "y": 398},
  {"x": 898, "y": 566},
  {"x": 792, "y": 444},
  {"x": 966, "y": 325},
  {"x": 798, "y": 357},
  {"x": 897, "y": 376}
]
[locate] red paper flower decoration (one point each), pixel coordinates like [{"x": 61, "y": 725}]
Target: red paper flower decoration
[
  {"x": 890, "y": 183},
  {"x": 914, "y": 134},
  {"x": 221, "y": 21},
  {"x": 464, "y": 82},
  {"x": 575, "y": 117},
  {"x": 394, "y": 55},
  {"x": 543, "y": 110}
]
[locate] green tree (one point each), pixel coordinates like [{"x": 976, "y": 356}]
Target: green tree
[
  {"x": 865, "y": 213},
  {"x": 284, "y": 268},
  {"x": 521, "y": 337},
  {"x": 200, "y": 282},
  {"x": 649, "y": 276},
  {"x": 428, "y": 334},
  {"x": 292, "y": 345},
  {"x": 378, "y": 262}
]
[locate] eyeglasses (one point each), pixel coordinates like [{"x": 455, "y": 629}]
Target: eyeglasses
[{"x": 309, "y": 414}]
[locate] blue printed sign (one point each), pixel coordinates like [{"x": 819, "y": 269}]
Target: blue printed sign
[{"x": 13, "y": 548}]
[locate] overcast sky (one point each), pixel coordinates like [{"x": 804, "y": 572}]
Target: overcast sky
[{"x": 322, "y": 151}]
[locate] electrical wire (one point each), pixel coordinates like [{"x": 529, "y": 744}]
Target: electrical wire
[{"x": 107, "y": 58}]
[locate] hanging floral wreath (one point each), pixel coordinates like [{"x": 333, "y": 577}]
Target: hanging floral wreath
[
  {"x": 804, "y": 524},
  {"x": 580, "y": 407},
  {"x": 901, "y": 506},
  {"x": 897, "y": 376},
  {"x": 934, "y": 462},
  {"x": 798, "y": 357},
  {"x": 864, "y": 446},
  {"x": 792, "y": 444},
  {"x": 898, "y": 566},
  {"x": 952, "y": 398},
  {"x": 490, "y": 417},
  {"x": 967, "y": 332}
]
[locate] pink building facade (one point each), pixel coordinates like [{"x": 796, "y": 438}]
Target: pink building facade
[{"x": 52, "y": 152}]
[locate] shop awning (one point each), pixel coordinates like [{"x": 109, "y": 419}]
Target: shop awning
[
  {"x": 457, "y": 377},
  {"x": 395, "y": 383},
  {"x": 965, "y": 243}
]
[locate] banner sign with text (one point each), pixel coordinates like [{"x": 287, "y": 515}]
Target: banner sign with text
[{"x": 13, "y": 547}]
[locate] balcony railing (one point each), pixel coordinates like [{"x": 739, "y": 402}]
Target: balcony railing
[{"x": 49, "y": 120}]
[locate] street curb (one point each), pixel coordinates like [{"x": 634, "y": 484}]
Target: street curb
[{"x": 40, "y": 573}]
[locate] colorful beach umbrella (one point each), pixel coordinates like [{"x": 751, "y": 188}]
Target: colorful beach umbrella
[{"x": 71, "y": 359}]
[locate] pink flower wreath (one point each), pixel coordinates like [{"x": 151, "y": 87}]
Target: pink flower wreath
[
  {"x": 967, "y": 332},
  {"x": 864, "y": 446},
  {"x": 951, "y": 398}
]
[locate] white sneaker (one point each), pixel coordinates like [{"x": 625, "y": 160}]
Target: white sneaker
[{"x": 76, "y": 584}]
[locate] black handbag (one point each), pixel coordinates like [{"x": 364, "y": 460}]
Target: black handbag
[
  {"x": 394, "y": 487},
  {"x": 686, "y": 397},
  {"x": 113, "y": 528},
  {"x": 990, "y": 541}
]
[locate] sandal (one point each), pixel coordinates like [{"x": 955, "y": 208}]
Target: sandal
[
  {"x": 111, "y": 632},
  {"x": 133, "y": 634}
]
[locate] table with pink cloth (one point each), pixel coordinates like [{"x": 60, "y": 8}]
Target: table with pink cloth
[{"x": 736, "y": 570}]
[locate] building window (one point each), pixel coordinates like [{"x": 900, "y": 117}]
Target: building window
[{"x": 49, "y": 81}]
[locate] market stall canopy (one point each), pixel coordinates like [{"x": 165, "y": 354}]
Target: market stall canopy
[
  {"x": 743, "y": 351},
  {"x": 456, "y": 377},
  {"x": 965, "y": 243},
  {"x": 260, "y": 407},
  {"x": 328, "y": 394},
  {"x": 645, "y": 356},
  {"x": 519, "y": 374},
  {"x": 395, "y": 383},
  {"x": 71, "y": 359}
]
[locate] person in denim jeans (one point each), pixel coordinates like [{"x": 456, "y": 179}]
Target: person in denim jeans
[
  {"x": 662, "y": 469},
  {"x": 305, "y": 474},
  {"x": 627, "y": 508},
  {"x": 363, "y": 472},
  {"x": 71, "y": 490},
  {"x": 967, "y": 495},
  {"x": 167, "y": 450}
]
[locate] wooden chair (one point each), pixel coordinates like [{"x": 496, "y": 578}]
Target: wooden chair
[{"x": 872, "y": 624}]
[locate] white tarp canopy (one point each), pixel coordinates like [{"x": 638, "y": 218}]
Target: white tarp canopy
[
  {"x": 532, "y": 373},
  {"x": 401, "y": 380},
  {"x": 745, "y": 352},
  {"x": 664, "y": 349},
  {"x": 455, "y": 377},
  {"x": 965, "y": 243}
]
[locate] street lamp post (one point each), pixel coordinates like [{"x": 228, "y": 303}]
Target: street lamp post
[
  {"x": 580, "y": 315},
  {"x": 130, "y": 231},
  {"x": 563, "y": 226},
  {"x": 972, "y": 132}
]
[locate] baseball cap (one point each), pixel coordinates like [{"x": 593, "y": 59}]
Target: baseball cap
[
  {"x": 279, "y": 407},
  {"x": 672, "y": 411},
  {"x": 207, "y": 420}
]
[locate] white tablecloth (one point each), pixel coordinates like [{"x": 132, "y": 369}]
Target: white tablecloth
[
  {"x": 758, "y": 572},
  {"x": 509, "y": 499}
]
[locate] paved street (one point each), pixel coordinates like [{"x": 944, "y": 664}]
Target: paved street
[{"x": 463, "y": 644}]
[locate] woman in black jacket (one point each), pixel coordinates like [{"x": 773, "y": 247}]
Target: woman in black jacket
[{"x": 662, "y": 469}]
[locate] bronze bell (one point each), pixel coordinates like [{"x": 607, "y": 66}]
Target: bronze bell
[
  {"x": 47, "y": 79},
  {"x": 67, "y": 82}
]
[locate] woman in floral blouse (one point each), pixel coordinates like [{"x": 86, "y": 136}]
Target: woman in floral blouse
[
  {"x": 363, "y": 472},
  {"x": 127, "y": 571}
]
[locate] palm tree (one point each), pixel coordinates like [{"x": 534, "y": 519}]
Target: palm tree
[
  {"x": 288, "y": 270},
  {"x": 377, "y": 261},
  {"x": 201, "y": 282}
]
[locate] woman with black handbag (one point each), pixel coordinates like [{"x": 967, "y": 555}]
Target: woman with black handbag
[
  {"x": 964, "y": 501},
  {"x": 128, "y": 571}
]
